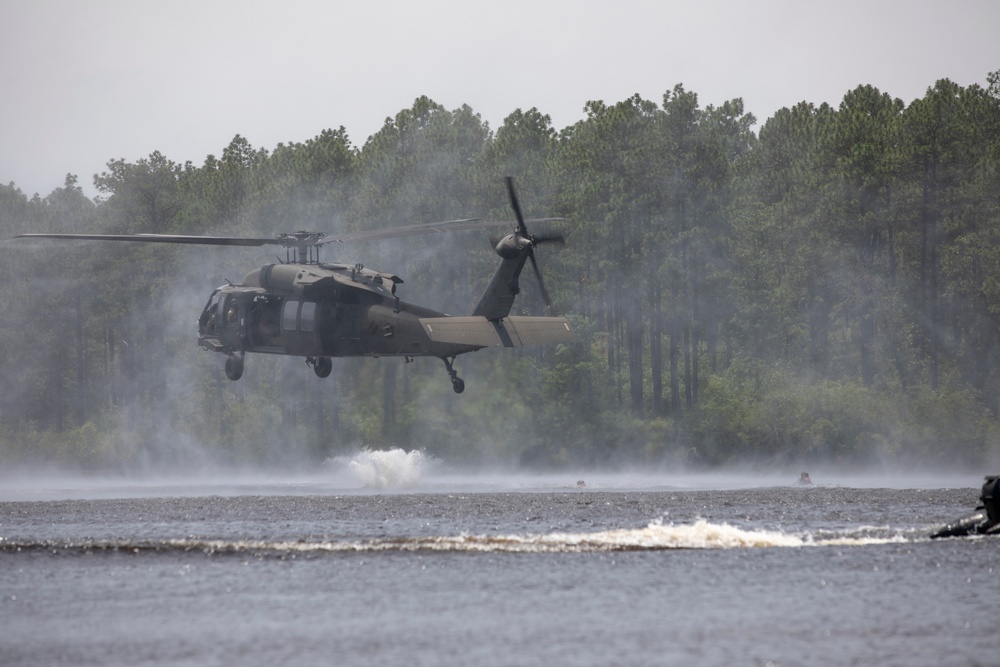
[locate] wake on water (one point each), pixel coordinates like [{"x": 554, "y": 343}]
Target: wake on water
[{"x": 656, "y": 536}]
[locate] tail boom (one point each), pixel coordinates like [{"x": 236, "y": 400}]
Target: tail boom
[{"x": 515, "y": 331}]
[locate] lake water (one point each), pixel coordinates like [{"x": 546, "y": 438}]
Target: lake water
[{"x": 386, "y": 562}]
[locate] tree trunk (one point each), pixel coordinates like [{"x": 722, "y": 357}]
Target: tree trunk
[
  {"x": 656, "y": 347},
  {"x": 634, "y": 330},
  {"x": 675, "y": 353}
]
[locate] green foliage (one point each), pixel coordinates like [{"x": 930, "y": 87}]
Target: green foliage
[{"x": 825, "y": 289}]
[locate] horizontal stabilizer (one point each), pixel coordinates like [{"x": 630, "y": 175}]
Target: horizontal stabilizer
[{"x": 515, "y": 331}]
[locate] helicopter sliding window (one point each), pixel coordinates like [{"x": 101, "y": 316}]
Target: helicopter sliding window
[
  {"x": 307, "y": 316},
  {"x": 293, "y": 318},
  {"x": 289, "y": 315}
]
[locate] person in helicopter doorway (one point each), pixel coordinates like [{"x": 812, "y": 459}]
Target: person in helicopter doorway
[
  {"x": 232, "y": 313},
  {"x": 267, "y": 329}
]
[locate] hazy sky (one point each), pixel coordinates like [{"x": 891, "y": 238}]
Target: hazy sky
[{"x": 88, "y": 81}]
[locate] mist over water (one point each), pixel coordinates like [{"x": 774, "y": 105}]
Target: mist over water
[{"x": 396, "y": 470}]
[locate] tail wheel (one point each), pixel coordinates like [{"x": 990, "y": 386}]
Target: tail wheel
[{"x": 457, "y": 383}]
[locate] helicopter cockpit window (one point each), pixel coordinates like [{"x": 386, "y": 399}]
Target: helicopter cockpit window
[
  {"x": 289, "y": 315},
  {"x": 209, "y": 320}
]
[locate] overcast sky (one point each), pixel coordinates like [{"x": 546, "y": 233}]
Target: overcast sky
[{"x": 88, "y": 81}]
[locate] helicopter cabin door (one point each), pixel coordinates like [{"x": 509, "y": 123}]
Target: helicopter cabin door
[
  {"x": 300, "y": 327},
  {"x": 265, "y": 323}
]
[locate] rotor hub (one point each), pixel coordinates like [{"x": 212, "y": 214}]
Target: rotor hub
[{"x": 512, "y": 245}]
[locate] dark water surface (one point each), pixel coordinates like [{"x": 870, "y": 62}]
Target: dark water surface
[{"x": 493, "y": 573}]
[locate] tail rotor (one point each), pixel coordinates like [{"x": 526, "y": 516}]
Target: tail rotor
[{"x": 528, "y": 241}]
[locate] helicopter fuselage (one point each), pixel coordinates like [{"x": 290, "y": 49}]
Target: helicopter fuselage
[{"x": 319, "y": 310}]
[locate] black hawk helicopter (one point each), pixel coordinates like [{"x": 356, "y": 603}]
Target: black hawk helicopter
[{"x": 308, "y": 308}]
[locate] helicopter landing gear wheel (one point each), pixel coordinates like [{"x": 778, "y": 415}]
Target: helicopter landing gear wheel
[
  {"x": 457, "y": 383},
  {"x": 234, "y": 367},
  {"x": 322, "y": 366}
]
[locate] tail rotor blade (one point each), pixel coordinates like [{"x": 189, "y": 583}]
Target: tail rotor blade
[
  {"x": 514, "y": 204},
  {"x": 541, "y": 283},
  {"x": 549, "y": 238}
]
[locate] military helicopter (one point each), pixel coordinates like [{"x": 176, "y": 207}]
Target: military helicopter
[{"x": 308, "y": 308}]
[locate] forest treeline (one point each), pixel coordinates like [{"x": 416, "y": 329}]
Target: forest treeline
[{"x": 822, "y": 287}]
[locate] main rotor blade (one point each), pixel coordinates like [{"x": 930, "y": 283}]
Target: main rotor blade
[
  {"x": 158, "y": 238},
  {"x": 299, "y": 239},
  {"x": 420, "y": 229},
  {"x": 408, "y": 230}
]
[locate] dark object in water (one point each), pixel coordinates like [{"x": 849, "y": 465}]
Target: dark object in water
[
  {"x": 804, "y": 479},
  {"x": 984, "y": 521}
]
